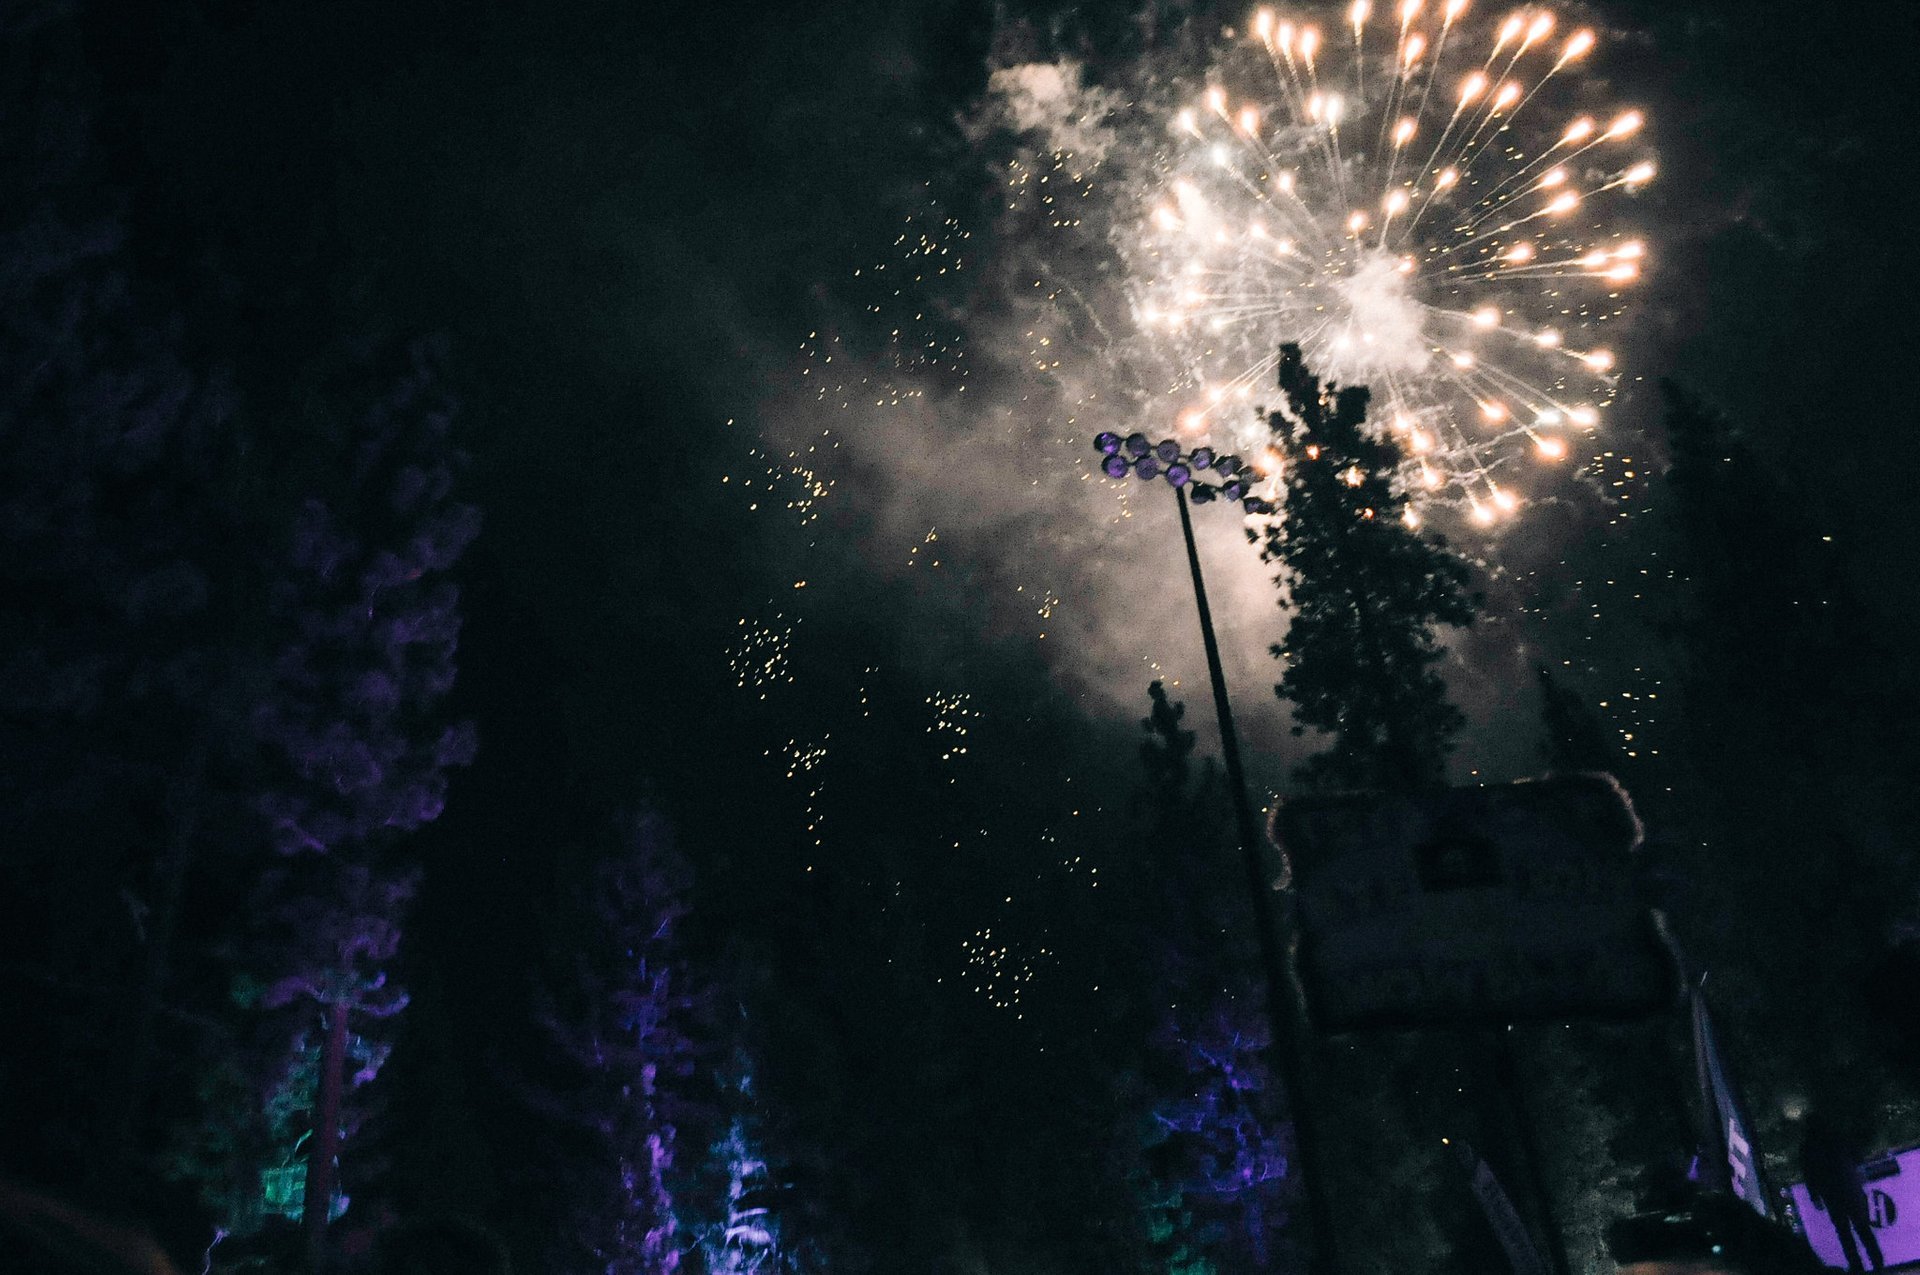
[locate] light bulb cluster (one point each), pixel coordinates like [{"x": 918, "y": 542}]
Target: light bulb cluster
[{"x": 1147, "y": 461}]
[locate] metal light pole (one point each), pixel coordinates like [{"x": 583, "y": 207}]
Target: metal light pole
[{"x": 1165, "y": 459}]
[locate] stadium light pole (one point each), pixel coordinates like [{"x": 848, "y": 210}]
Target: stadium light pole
[{"x": 1185, "y": 471}]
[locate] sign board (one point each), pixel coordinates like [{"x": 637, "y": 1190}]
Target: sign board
[
  {"x": 1487, "y": 904},
  {"x": 1893, "y": 1206}
]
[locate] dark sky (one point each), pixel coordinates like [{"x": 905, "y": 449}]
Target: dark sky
[{"x": 631, "y": 217}]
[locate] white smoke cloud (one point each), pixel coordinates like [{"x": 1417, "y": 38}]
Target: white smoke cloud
[
  {"x": 1050, "y": 99},
  {"x": 996, "y": 481}
]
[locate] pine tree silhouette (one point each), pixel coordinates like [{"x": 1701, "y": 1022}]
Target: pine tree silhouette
[
  {"x": 354, "y": 730},
  {"x": 1365, "y": 593}
]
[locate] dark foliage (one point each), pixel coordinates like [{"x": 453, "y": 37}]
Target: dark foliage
[{"x": 1365, "y": 593}]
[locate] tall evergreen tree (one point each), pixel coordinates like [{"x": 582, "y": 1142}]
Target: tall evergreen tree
[
  {"x": 625, "y": 1027},
  {"x": 1574, "y": 738},
  {"x": 1220, "y": 1175},
  {"x": 1365, "y": 593},
  {"x": 1798, "y": 738},
  {"x": 129, "y": 651},
  {"x": 1190, "y": 903},
  {"x": 747, "y": 1233},
  {"x": 1216, "y": 1183},
  {"x": 1608, "y": 1108},
  {"x": 354, "y": 730}
]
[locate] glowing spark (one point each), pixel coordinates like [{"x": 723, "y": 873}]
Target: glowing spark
[{"x": 1312, "y": 209}]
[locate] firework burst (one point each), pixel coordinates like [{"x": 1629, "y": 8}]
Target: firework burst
[{"x": 1426, "y": 205}]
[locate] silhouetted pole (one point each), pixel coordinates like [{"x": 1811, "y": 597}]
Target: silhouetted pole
[
  {"x": 1324, "y": 1255},
  {"x": 1166, "y": 458},
  {"x": 1506, "y": 1075}
]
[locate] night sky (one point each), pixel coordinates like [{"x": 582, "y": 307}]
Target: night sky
[{"x": 654, "y": 235}]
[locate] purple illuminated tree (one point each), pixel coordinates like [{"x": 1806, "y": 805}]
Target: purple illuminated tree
[
  {"x": 1219, "y": 1157},
  {"x": 623, "y": 1024},
  {"x": 354, "y": 729},
  {"x": 746, "y": 1237},
  {"x": 1216, "y": 1186}
]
